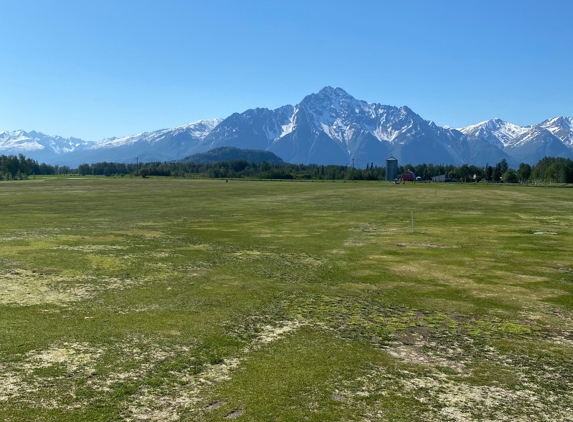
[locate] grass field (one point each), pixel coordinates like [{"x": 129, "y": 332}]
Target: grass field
[{"x": 170, "y": 299}]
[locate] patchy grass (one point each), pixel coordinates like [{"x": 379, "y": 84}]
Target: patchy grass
[{"x": 168, "y": 300}]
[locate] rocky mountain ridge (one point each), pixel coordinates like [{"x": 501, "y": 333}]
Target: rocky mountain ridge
[{"x": 328, "y": 127}]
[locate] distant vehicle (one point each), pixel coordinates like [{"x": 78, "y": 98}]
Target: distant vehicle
[{"x": 419, "y": 179}]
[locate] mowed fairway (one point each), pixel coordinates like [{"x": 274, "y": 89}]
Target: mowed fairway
[{"x": 173, "y": 299}]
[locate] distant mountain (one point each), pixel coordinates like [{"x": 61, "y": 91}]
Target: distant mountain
[
  {"x": 232, "y": 153},
  {"x": 495, "y": 131},
  {"x": 328, "y": 127},
  {"x": 160, "y": 145},
  {"x": 332, "y": 127},
  {"x": 561, "y": 127},
  {"x": 529, "y": 144},
  {"x": 39, "y": 146}
]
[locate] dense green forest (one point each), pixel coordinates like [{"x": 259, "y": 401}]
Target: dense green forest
[
  {"x": 549, "y": 169},
  {"x": 232, "y": 153},
  {"x": 18, "y": 167}
]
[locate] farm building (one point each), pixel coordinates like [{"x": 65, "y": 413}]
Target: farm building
[
  {"x": 391, "y": 168},
  {"x": 408, "y": 176},
  {"x": 440, "y": 178}
]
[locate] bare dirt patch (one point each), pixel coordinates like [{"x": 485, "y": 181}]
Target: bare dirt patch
[
  {"x": 426, "y": 245},
  {"x": 234, "y": 414},
  {"x": 91, "y": 248},
  {"x": 368, "y": 228},
  {"x": 159, "y": 404},
  {"x": 17, "y": 379},
  {"x": 413, "y": 346},
  {"x": 445, "y": 398},
  {"x": 24, "y": 288},
  {"x": 353, "y": 243},
  {"x": 215, "y": 405}
]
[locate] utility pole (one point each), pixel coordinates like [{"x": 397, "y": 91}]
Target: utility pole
[{"x": 352, "y": 162}]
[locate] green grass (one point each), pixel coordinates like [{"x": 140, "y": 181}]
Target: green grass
[{"x": 173, "y": 299}]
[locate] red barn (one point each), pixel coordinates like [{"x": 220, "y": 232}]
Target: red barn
[{"x": 408, "y": 176}]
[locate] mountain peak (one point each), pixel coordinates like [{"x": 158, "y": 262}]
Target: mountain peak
[
  {"x": 495, "y": 122},
  {"x": 406, "y": 110},
  {"x": 561, "y": 127},
  {"x": 330, "y": 97},
  {"x": 562, "y": 121},
  {"x": 333, "y": 92}
]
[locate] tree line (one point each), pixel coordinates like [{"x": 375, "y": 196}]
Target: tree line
[
  {"x": 18, "y": 167},
  {"x": 548, "y": 169}
]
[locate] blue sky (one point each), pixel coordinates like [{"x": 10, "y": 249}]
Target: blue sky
[{"x": 102, "y": 68}]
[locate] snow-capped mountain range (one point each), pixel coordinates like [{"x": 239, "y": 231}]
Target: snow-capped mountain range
[
  {"x": 329, "y": 127},
  {"x": 332, "y": 127},
  {"x": 552, "y": 138},
  {"x": 160, "y": 145},
  {"x": 41, "y": 147}
]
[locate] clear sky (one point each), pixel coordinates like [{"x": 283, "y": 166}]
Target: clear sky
[{"x": 102, "y": 68}]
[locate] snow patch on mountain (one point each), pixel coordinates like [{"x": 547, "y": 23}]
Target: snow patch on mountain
[
  {"x": 496, "y": 131},
  {"x": 288, "y": 127}
]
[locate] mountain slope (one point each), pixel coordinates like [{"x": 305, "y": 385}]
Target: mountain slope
[
  {"x": 39, "y": 146},
  {"x": 528, "y": 144},
  {"x": 536, "y": 143},
  {"x": 495, "y": 131},
  {"x": 561, "y": 127},
  {"x": 160, "y": 145},
  {"x": 252, "y": 129}
]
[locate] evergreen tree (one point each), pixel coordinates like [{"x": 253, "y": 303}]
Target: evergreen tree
[
  {"x": 496, "y": 176},
  {"x": 524, "y": 172},
  {"x": 503, "y": 166}
]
